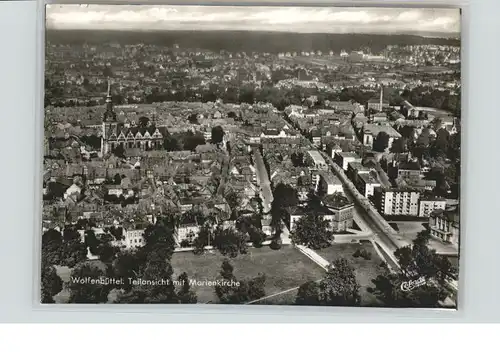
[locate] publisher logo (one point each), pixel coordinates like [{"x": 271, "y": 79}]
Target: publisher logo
[{"x": 407, "y": 286}]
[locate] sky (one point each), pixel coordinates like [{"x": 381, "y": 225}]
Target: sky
[{"x": 289, "y": 19}]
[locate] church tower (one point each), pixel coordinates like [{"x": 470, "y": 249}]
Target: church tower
[{"x": 109, "y": 123}]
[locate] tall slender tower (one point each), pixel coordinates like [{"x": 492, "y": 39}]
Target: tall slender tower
[
  {"x": 381, "y": 97},
  {"x": 109, "y": 122}
]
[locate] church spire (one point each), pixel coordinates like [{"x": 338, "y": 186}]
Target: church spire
[
  {"x": 109, "y": 114},
  {"x": 108, "y": 97}
]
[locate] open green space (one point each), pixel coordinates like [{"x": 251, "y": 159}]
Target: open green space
[
  {"x": 284, "y": 269},
  {"x": 366, "y": 270}
]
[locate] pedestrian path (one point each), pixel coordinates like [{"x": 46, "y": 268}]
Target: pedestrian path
[{"x": 315, "y": 257}]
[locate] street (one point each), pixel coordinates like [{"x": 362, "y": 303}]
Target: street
[{"x": 265, "y": 193}]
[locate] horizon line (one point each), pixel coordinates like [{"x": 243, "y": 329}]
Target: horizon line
[{"x": 440, "y": 35}]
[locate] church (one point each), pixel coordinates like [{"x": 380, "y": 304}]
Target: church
[{"x": 115, "y": 133}]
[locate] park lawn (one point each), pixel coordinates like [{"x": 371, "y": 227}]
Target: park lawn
[
  {"x": 284, "y": 269},
  {"x": 365, "y": 270}
]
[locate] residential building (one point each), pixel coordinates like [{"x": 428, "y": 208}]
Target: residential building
[
  {"x": 344, "y": 158},
  {"x": 337, "y": 210},
  {"x": 429, "y": 204},
  {"x": 186, "y": 232},
  {"x": 328, "y": 184},
  {"x": 133, "y": 237},
  {"x": 333, "y": 148},
  {"x": 397, "y": 201},
  {"x": 445, "y": 224},
  {"x": 409, "y": 170},
  {"x": 354, "y": 169},
  {"x": 314, "y": 158},
  {"x": 370, "y": 131},
  {"x": 342, "y": 211},
  {"x": 366, "y": 183}
]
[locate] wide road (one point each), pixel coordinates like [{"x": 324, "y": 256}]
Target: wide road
[{"x": 364, "y": 219}]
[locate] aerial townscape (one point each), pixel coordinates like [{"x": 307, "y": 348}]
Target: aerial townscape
[{"x": 246, "y": 167}]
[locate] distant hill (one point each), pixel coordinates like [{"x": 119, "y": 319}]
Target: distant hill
[{"x": 249, "y": 41}]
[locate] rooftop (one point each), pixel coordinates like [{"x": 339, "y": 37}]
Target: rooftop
[
  {"x": 369, "y": 178},
  {"x": 349, "y": 155},
  {"x": 376, "y": 129},
  {"x": 316, "y": 156},
  {"x": 336, "y": 201},
  {"x": 413, "y": 165},
  {"x": 356, "y": 165},
  {"x": 451, "y": 214},
  {"x": 330, "y": 178}
]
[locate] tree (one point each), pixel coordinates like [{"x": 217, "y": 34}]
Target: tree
[
  {"x": 230, "y": 242},
  {"x": 217, "y": 134},
  {"x": 171, "y": 143},
  {"x": 157, "y": 269},
  {"x": 297, "y": 159},
  {"x": 73, "y": 250},
  {"x": 192, "y": 140},
  {"x": 185, "y": 294},
  {"x": 87, "y": 292},
  {"x": 233, "y": 291},
  {"x": 193, "y": 119},
  {"x": 423, "y": 139},
  {"x": 338, "y": 288},
  {"x": 119, "y": 151},
  {"x": 381, "y": 142},
  {"x": 308, "y": 294},
  {"x": 51, "y": 284},
  {"x": 52, "y": 247},
  {"x": 256, "y": 287},
  {"x": 91, "y": 241},
  {"x": 233, "y": 200},
  {"x": 160, "y": 238},
  {"x": 275, "y": 244},
  {"x": 284, "y": 196},
  {"x": 440, "y": 145},
  {"x": 257, "y": 236},
  {"x": 117, "y": 179},
  {"x": 312, "y": 231},
  {"x": 126, "y": 266},
  {"x": 143, "y": 121},
  {"x": 407, "y": 132},
  {"x": 437, "y": 124},
  {"x": 398, "y": 146},
  {"x": 417, "y": 262},
  {"x": 106, "y": 252},
  {"x": 205, "y": 236}
]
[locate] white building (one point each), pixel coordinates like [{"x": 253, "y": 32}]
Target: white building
[
  {"x": 428, "y": 205},
  {"x": 329, "y": 183},
  {"x": 186, "y": 232},
  {"x": 397, "y": 201},
  {"x": 344, "y": 158},
  {"x": 371, "y": 131},
  {"x": 316, "y": 160},
  {"x": 366, "y": 184},
  {"x": 445, "y": 224}
]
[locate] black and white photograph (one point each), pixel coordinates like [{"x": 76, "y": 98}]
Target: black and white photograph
[{"x": 251, "y": 155}]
